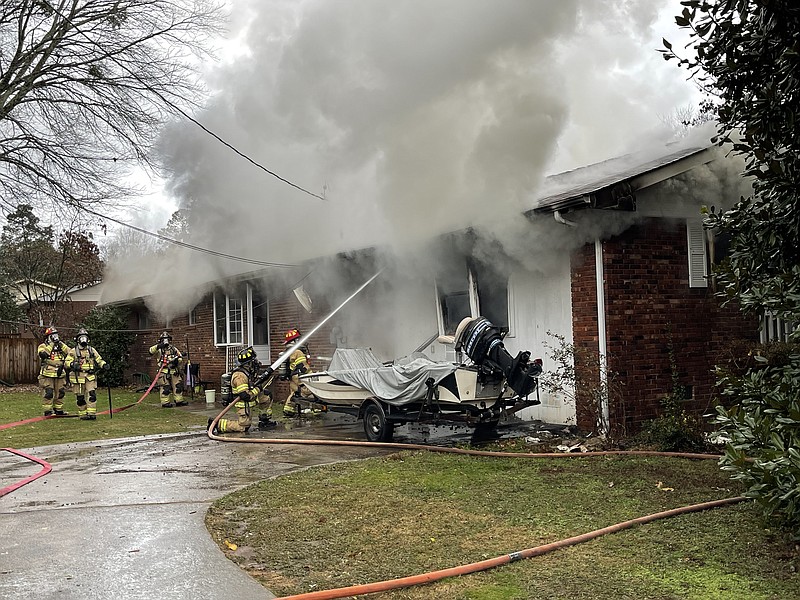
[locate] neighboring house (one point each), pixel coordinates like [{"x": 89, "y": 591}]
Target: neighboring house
[
  {"x": 17, "y": 345},
  {"x": 72, "y": 305},
  {"x": 612, "y": 258}
]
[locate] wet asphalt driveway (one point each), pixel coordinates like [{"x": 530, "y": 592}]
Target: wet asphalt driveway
[{"x": 124, "y": 519}]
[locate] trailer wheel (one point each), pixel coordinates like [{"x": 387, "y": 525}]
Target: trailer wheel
[{"x": 376, "y": 426}]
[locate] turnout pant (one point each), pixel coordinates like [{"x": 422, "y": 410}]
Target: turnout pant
[{"x": 53, "y": 390}]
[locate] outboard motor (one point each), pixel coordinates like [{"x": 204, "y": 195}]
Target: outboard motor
[{"x": 483, "y": 343}]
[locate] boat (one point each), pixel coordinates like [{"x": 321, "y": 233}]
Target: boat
[{"x": 484, "y": 384}]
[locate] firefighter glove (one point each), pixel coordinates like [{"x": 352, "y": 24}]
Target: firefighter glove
[
  {"x": 106, "y": 367},
  {"x": 44, "y": 355}
]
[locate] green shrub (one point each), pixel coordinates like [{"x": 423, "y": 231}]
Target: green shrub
[
  {"x": 674, "y": 432},
  {"x": 761, "y": 416},
  {"x": 107, "y": 327}
]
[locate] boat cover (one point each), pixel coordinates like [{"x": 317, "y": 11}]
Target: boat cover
[{"x": 399, "y": 383}]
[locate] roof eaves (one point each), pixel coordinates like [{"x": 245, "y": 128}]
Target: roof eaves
[{"x": 587, "y": 194}]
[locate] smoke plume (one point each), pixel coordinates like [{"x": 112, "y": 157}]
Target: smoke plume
[{"x": 411, "y": 118}]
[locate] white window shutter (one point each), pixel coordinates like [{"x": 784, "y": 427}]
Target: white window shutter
[{"x": 698, "y": 265}]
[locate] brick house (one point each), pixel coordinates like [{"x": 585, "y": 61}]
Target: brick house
[
  {"x": 612, "y": 258},
  {"x": 70, "y": 307}
]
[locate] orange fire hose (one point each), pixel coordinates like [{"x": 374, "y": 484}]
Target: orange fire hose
[
  {"x": 430, "y": 577},
  {"x": 425, "y": 578}
]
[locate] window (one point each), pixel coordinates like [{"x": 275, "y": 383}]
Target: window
[
  {"x": 492, "y": 289},
  {"x": 775, "y": 329},
  {"x": 707, "y": 248},
  {"x": 471, "y": 291},
  {"x": 143, "y": 320},
  {"x": 193, "y": 316},
  {"x": 453, "y": 292},
  {"x": 260, "y": 313},
  {"x": 228, "y": 320}
]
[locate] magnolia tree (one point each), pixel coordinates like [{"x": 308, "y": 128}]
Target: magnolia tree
[
  {"x": 746, "y": 52},
  {"x": 84, "y": 87}
]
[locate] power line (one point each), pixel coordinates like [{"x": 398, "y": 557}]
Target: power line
[
  {"x": 253, "y": 261},
  {"x": 183, "y": 113}
]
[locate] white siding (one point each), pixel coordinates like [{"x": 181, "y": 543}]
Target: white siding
[{"x": 542, "y": 303}]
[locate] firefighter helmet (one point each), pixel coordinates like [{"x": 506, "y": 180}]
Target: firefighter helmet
[
  {"x": 52, "y": 333},
  {"x": 246, "y": 355},
  {"x": 82, "y": 337},
  {"x": 291, "y": 336},
  {"x": 165, "y": 336}
]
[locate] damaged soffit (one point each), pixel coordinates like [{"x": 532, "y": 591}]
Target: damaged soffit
[{"x": 612, "y": 184}]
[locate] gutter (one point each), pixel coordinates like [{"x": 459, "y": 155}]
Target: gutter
[{"x": 602, "y": 345}]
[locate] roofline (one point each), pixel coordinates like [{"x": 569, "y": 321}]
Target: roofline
[{"x": 635, "y": 182}]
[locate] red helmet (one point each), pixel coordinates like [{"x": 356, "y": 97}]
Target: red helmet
[
  {"x": 50, "y": 331},
  {"x": 291, "y": 336}
]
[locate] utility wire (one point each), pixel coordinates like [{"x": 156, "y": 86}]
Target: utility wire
[
  {"x": 253, "y": 261},
  {"x": 183, "y": 113}
]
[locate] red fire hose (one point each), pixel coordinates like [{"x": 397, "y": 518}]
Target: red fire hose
[{"x": 47, "y": 468}]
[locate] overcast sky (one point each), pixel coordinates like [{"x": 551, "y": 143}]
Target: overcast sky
[{"x": 412, "y": 116}]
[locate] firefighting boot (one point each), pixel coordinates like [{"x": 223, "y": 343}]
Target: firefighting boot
[{"x": 264, "y": 422}]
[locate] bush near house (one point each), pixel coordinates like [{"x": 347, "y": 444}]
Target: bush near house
[
  {"x": 763, "y": 424},
  {"x": 107, "y": 327}
]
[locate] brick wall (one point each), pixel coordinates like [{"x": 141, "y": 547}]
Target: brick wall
[
  {"x": 197, "y": 339},
  {"x": 284, "y": 314},
  {"x": 648, "y": 303}
]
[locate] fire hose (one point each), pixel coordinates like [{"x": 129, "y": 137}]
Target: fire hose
[
  {"x": 423, "y": 578},
  {"x": 46, "y": 467},
  {"x": 433, "y": 576}
]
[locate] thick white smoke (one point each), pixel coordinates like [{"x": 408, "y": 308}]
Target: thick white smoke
[{"x": 412, "y": 118}]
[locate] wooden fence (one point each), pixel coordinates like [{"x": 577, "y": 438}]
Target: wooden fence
[{"x": 19, "y": 362}]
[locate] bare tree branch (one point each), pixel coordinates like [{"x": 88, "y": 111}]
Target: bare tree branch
[{"x": 84, "y": 88}]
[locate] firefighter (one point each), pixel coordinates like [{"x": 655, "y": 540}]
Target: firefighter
[
  {"x": 296, "y": 365},
  {"x": 81, "y": 366},
  {"x": 249, "y": 392},
  {"x": 169, "y": 376},
  {"x": 52, "y": 376}
]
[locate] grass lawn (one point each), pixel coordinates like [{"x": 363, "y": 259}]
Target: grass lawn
[
  {"x": 415, "y": 512},
  {"x": 144, "y": 419}
]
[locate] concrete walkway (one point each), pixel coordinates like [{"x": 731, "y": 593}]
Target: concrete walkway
[{"x": 124, "y": 519}]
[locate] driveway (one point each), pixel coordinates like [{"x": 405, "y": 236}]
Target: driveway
[{"x": 124, "y": 519}]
